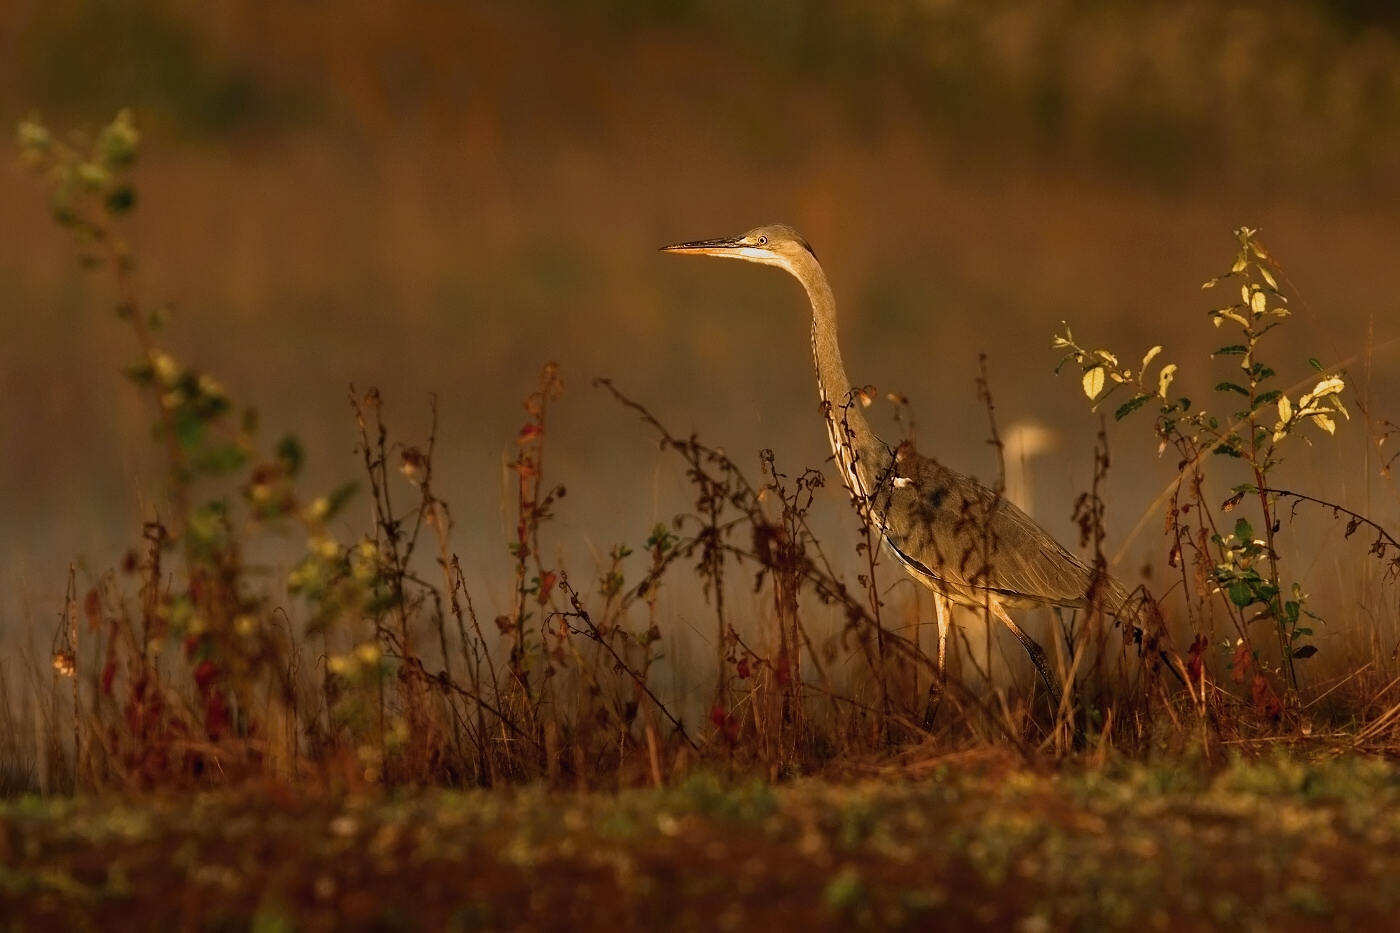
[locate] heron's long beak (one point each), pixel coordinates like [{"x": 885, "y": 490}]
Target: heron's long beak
[{"x": 724, "y": 246}]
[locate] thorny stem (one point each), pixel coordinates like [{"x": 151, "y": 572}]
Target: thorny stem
[
  {"x": 1385, "y": 541},
  {"x": 592, "y": 632}
]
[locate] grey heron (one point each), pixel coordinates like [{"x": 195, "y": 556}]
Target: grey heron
[{"x": 969, "y": 545}]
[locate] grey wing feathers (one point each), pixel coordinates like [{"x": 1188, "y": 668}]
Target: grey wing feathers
[{"x": 970, "y": 540}]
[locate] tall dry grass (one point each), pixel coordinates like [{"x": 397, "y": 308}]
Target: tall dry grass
[{"x": 246, "y": 636}]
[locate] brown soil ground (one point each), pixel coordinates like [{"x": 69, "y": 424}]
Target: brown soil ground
[{"x": 1281, "y": 846}]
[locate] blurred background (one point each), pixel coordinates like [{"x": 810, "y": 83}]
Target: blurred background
[{"x": 437, "y": 197}]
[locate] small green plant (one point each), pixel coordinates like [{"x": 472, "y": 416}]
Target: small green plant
[
  {"x": 221, "y": 489},
  {"x": 1240, "y": 564}
]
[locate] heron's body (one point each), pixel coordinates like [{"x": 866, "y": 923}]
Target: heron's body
[{"x": 970, "y": 546}]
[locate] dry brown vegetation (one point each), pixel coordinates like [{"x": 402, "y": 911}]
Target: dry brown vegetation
[
  {"x": 214, "y": 656},
  {"x": 272, "y": 675}
]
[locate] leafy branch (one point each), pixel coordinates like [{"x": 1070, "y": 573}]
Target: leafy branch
[{"x": 1243, "y": 568}]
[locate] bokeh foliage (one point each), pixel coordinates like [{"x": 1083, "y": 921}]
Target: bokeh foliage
[{"x": 1158, "y": 93}]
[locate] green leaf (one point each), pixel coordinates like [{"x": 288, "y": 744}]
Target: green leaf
[
  {"x": 223, "y": 458},
  {"x": 661, "y": 538},
  {"x": 1240, "y": 593},
  {"x": 339, "y": 498},
  {"x": 189, "y": 428},
  {"x": 120, "y": 200},
  {"x": 1131, "y": 405},
  {"x": 61, "y": 203},
  {"x": 1247, "y": 488},
  {"x": 1305, "y": 652},
  {"x": 1243, "y": 530},
  {"x": 1267, "y": 397},
  {"x": 1231, "y": 387},
  {"x": 1227, "y": 450},
  {"x": 290, "y": 453},
  {"x": 1234, "y": 349},
  {"x": 34, "y": 138},
  {"x": 118, "y": 141},
  {"x": 1313, "y": 362},
  {"x": 209, "y": 523},
  {"x": 142, "y": 373}
]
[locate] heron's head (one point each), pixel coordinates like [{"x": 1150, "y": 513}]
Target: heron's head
[{"x": 775, "y": 245}]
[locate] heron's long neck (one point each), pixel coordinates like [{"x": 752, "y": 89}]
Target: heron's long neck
[{"x": 860, "y": 454}]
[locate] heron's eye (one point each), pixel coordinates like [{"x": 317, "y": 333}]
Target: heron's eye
[{"x": 762, "y": 240}]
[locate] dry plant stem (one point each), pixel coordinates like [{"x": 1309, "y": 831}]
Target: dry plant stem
[
  {"x": 71, "y": 619},
  {"x": 118, "y": 259},
  {"x": 478, "y": 646},
  {"x": 591, "y": 631},
  {"x": 733, "y": 489},
  {"x": 715, "y": 494},
  {"x": 787, "y": 559},
  {"x": 990, "y": 544},
  {"x": 1384, "y": 544},
  {"x": 868, "y": 549},
  {"x": 471, "y": 657},
  {"x": 374, "y": 455},
  {"x": 476, "y": 698},
  {"x": 1089, "y": 511},
  {"x": 533, "y": 506},
  {"x": 435, "y": 513}
]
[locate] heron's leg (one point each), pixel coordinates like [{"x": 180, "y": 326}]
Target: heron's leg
[
  {"x": 937, "y": 685},
  {"x": 1037, "y": 653}
]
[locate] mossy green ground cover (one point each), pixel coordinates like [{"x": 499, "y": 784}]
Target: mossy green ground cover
[{"x": 1278, "y": 844}]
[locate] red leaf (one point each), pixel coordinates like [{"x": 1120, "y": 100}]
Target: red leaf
[
  {"x": 1243, "y": 661},
  {"x": 216, "y": 718},
  {"x": 204, "y": 674},
  {"x": 743, "y": 668},
  {"x": 1265, "y": 700},
  {"x": 725, "y": 722},
  {"x": 1197, "y": 662},
  {"x": 93, "y": 609},
  {"x": 529, "y": 433},
  {"x": 547, "y": 581}
]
